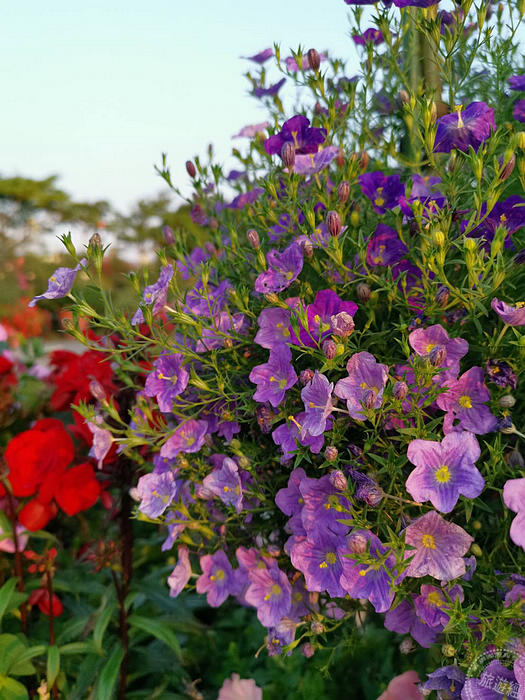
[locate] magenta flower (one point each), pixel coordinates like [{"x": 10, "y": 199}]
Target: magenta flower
[
  {"x": 225, "y": 483},
  {"x": 464, "y": 401},
  {"x": 260, "y": 57},
  {"x": 511, "y": 315},
  {"x": 60, "y": 283},
  {"x": 317, "y": 399},
  {"x": 284, "y": 268},
  {"x": 188, "y": 437},
  {"x": 168, "y": 379},
  {"x": 297, "y": 130},
  {"x": 156, "y": 492},
  {"x": 373, "y": 36},
  {"x": 155, "y": 294},
  {"x": 274, "y": 377},
  {"x": 270, "y": 592},
  {"x": 311, "y": 163},
  {"x": 319, "y": 562},
  {"x": 319, "y": 315},
  {"x": 464, "y": 128},
  {"x": 364, "y": 385},
  {"x": 382, "y": 190},
  {"x": 439, "y": 548},
  {"x": 384, "y": 247},
  {"x": 237, "y": 688},
  {"x": 273, "y": 328},
  {"x": 371, "y": 580},
  {"x": 426, "y": 340},
  {"x": 445, "y": 470},
  {"x": 293, "y": 66},
  {"x": 251, "y": 130},
  {"x": 270, "y": 91},
  {"x": 180, "y": 575},
  {"x": 514, "y": 499},
  {"x": 218, "y": 579}
]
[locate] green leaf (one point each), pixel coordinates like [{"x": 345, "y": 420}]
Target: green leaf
[
  {"x": 12, "y": 659},
  {"x": 53, "y": 664},
  {"x": 157, "y": 629},
  {"x": 108, "y": 675},
  {"x": 6, "y": 592},
  {"x": 101, "y": 626},
  {"x": 76, "y": 648},
  {"x": 11, "y": 689}
]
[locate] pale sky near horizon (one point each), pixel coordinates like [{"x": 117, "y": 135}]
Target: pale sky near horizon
[{"x": 96, "y": 91}]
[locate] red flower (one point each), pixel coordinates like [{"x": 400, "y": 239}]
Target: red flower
[
  {"x": 73, "y": 374},
  {"x": 40, "y": 597},
  {"x": 78, "y": 489},
  {"x": 36, "y": 515}
]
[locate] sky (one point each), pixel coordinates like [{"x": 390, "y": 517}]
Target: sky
[{"x": 95, "y": 91}]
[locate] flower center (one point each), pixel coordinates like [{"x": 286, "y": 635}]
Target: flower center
[
  {"x": 274, "y": 590},
  {"x": 434, "y": 599},
  {"x": 218, "y": 576},
  {"x": 465, "y": 401},
  {"x": 443, "y": 474},
  {"x": 428, "y": 542},
  {"x": 330, "y": 558},
  {"x": 430, "y": 347}
]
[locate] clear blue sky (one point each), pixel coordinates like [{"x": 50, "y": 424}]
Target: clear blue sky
[{"x": 95, "y": 91}]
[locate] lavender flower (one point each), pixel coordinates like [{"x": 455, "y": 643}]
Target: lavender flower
[
  {"x": 439, "y": 548},
  {"x": 370, "y": 36},
  {"x": 297, "y": 130},
  {"x": 218, "y": 579},
  {"x": 60, "y": 283},
  {"x": 512, "y": 315},
  {"x": 319, "y": 562},
  {"x": 431, "y": 604},
  {"x": 180, "y": 575},
  {"x": 225, "y": 483},
  {"x": 365, "y": 375},
  {"x": 251, "y": 130},
  {"x": 384, "y": 247},
  {"x": 445, "y": 470},
  {"x": 188, "y": 437},
  {"x": 317, "y": 399},
  {"x": 273, "y": 328},
  {"x": 274, "y": 377},
  {"x": 508, "y": 214},
  {"x": 427, "y": 340},
  {"x": 514, "y": 499},
  {"x": 324, "y": 507},
  {"x": 168, "y": 379},
  {"x": 448, "y": 681},
  {"x": 495, "y": 683},
  {"x": 383, "y": 190},
  {"x": 270, "y": 592},
  {"x": 293, "y": 66},
  {"x": 155, "y": 294},
  {"x": 260, "y": 57},
  {"x": 284, "y": 268},
  {"x": 403, "y": 620},
  {"x": 102, "y": 441},
  {"x": 269, "y": 91},
  {"x": 312, "y": 163},
  {"x": 464, "y": 401},
  {"x": 464, "y": 128},
  {"x": 156, "y": 492},
  {"x": 319, "y": 316}
]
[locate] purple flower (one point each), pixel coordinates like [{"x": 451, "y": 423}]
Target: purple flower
[
  {"x": 365, "y": 383},
  {"x": 514, "y": 499},
  {"x": 102, "y": 441},
  {"x": 260, "y": 57},
  {"x": 519, "y": 111},
  {"x": 324, "y": 507},
  {"x": 509, "y": 214},
  {"x": 366, "y": 489},
  {"x": 290, "y": 499},
  {"x": 293, "y": 66},
  {"x": 444, "y": 470},
  {"x": 403, "y": 620},
  {"x": 517, "y": 82},
  {"x": 180, "y": 575},
  {"x": 426, "y": 340},
  {"x": 218, "y": 579},
  {"x": 192, "y": 262},
  {"x": 168, "y": 380},
  {"x": 422, "y": 192},
  {"x": 512, "y": 315},
  {"x": 273, "y": 328},
  {"x": 415, "y": 3},
  {"x": 371, "y": 35},
  {"x": 155, "y": 294},
  {"x": 317, "y": 399},
  {"x": 439, "y": 548},
  {"x": 244, "y": 198},
  {"x": 501, "y": 374},
  {"x": 280, "y": 636},
  {"x": 188, "y": 437},
  {"x": 384, "y": 247},
  {"x": 284, "y": 269},
  {"x": 225, "y": 483},
  {"x": 209, "y": 301},
  {"x": 448, "y": 681},
  {"x": 495, "y": 683},
  {"x": 251, "y": 130},
  {"x": 319, "y": 562},
  {"x": 382, "y": 190},
  {"x": 297, "y": 130},
  {"x": 464, "y": 401},
  {"x": 269, "y": 91},
  {"x": 60, "y": 283},
  {"x": 215, "y": 337},
  {"x": 156, "y": 492},
  {"x": 319, "y": 315},
  {"x": 312, "y": 163},
  {"x": 270, "y": 592},
  {"x": 431, "y": 604},
  {"x": 464, "y": 128},
  {"x": 274, "y": 377},
  {"x": 369, "y": 579},
  {"x": 288, "y": 434}
]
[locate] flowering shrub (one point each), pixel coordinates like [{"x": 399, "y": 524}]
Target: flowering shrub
[{"x": 324, "y": 398}]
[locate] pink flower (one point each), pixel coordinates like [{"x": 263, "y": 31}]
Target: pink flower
[
  {"x": 514, "y": 499},
  {"x": 237, "y": 688},
  {"x": 403, "y": 687}
]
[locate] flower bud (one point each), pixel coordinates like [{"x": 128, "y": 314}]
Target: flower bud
[
  {"x": 515, "y": 459},
  {"x": 507, "y": 401},
  {"x": 407, "y": 646},
  {"x": 437, "y": 356},
  {"x": 505, "y": 425},
  {"x": 471, "y": 244},
  {"x": 448, "y": 650},
  {"x": 271, "y": 297},
  {"x": 253, "y": 239},
  {"x": 442, "y": 295},
  {"x": 400, "y": 390},
  {"x": 288, "y": 154},
  {"x": 520, "y": 140},
  {"x": 369, "y": 398},
  {"x": 338, "y": 480},
  {"x": 168, "y": 236},
  {"x": 476, "y": 550},
  {"x": 306, "y": 376},
  {"x": 97, "y": 390},
  {"x": 333, "y": 222},
  {"x": 190, "y": 168},
  {"x": 314, "y": 59},
  {"x": 506, "y": 168},
  {"x": 308, "y": 249},
  {"x": 331, "y": 453},
  {"x": 438, "y": 238},
  {"x": 342, "y": 324},
  {"x": 95, "y": 241},
  {"x": 317, "y": 627},
  {"x": 343, "y": 191},
  {"x": 403, "y": 97},
  {"x": 357, "y": 543},
  {"x": 329, "y": 349},
  {"x": 355, "y": 450},
  {"x": 264, "y": 416},
  {"x": 340, "y": 158},
  {"x": 363, "y": 292},
  {"x": 307, "y": 650}
]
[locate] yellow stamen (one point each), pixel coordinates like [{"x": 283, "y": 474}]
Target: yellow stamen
[{"x": 443, "y": 474}]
